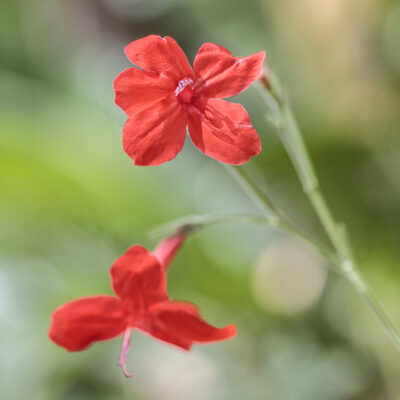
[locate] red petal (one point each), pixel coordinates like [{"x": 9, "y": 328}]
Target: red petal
[
  {"x": 157, "y": 134},
  {"x": 223, "y": 130},
  {"x": 219, "y": 74},
  {"x": 79, "y": 323},
  {"x": 136, "y": 90},
  {"x": 138, "y": 279},
  {"x": 180, "y": 323},
  {"x": 166, "y": 250},
  {"x": 160, "y": 54}
]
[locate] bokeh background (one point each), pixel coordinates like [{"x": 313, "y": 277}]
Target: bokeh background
[{"x": 71, "y": 201}]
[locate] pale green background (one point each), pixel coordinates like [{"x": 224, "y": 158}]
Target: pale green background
[{"x": 71, "y": 201}]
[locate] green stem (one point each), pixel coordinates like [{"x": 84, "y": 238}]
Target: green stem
[
  {"x": 270, "y": 213},
  {"x": 293, "y": 141},
  {"x": 258, "y": 197},
  {"x": 194, "y": 223}
]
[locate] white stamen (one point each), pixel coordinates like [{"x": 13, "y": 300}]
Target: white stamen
[
  {"x": 182, "y": 85},
  {"x": 126, "y": 342}
]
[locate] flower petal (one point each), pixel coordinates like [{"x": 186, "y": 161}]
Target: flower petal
[
  {"x": 167, "y": 249},
  {"x": 180, "y": 323},
  {"x": 157, "y": 134},
  {"x": 138, "y": 279},
  {"x": 160, "y": 54},
  {"x": 77, "y": 324},
  {"x": 136, "y": 90},
  {"x": 219, "y": 74},
  {"x": 223, "y": 130}
]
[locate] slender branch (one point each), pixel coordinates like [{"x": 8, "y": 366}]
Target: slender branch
[
  {"x": 272, "y": 215},
  {"x": 194, "y": 223},
  {"x": 292, "y": 139},
  {"x": 258, "y": 197}
]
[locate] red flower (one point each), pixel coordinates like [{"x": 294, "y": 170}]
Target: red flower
[
  {"x": 138, "y": 279},
  {"x": 165, "y": 95}
]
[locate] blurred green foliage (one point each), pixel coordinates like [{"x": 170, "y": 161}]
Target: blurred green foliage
[{"x": 71, "y": 201}]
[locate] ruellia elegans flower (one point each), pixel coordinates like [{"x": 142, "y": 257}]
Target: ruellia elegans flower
[
  {"x": 138, "y": 278},
  {"x": 164, "y": 95}
]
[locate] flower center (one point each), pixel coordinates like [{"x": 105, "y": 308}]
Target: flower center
[{"x": 184, "y": 90}]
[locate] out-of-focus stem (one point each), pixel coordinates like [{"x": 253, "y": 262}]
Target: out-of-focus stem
[
  {"x": 194, "y": 223},
  {"x": 271, "y": 214},
  {"x": 258, "y": 197},
  {"x": 282, "y": 117}
]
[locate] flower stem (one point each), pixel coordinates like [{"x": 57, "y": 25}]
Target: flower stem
[
  {"x": 258, "y": 197},
  {"x": 194, "y": 223},
  {"x": 292, "y": 139},
  {"x": 271, "y": 214}
]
